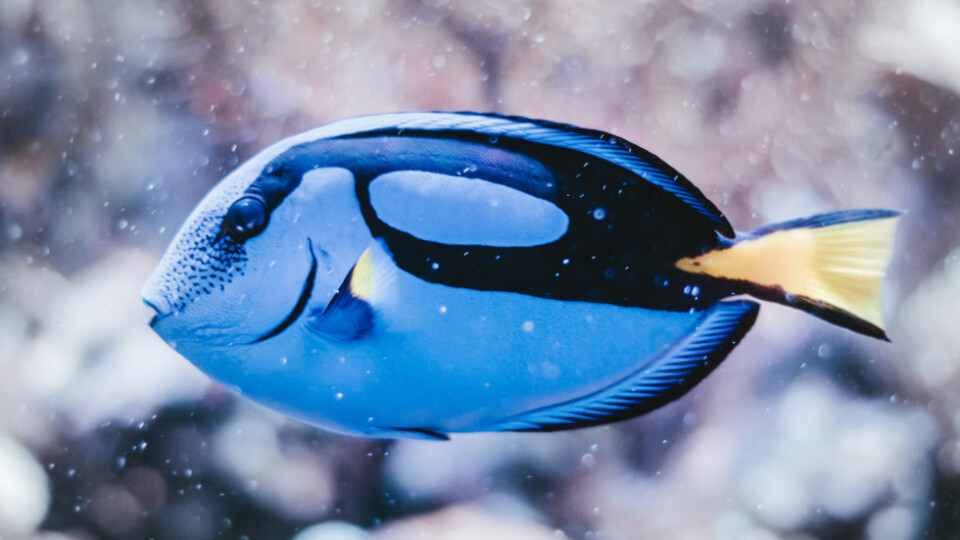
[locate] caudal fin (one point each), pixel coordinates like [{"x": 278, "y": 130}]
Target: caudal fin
[{"x": 830, "y": 265}]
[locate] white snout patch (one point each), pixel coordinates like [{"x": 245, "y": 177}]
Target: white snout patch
[{"x": 464, "y": 211}]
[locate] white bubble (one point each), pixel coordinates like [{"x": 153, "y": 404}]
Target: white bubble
[
  {"x": 332, "y": 530},
  {"x": 14, "y": 232},
  {"x": 24, "y": 494}
]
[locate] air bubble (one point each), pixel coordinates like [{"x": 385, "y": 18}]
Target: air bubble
[{"x": 14, "y": 232}]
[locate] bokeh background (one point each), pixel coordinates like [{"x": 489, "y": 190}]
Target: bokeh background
[{"x": 117, "y": 116}]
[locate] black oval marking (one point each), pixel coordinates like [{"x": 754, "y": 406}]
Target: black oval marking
[{"x": 301, "y": 302}]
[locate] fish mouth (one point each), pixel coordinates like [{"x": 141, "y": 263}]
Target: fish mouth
[
  {"x": 158, "y": 315},
  {"x": 301, "y": 302}
]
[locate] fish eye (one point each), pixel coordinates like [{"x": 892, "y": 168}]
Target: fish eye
[{"x": 246, "y": 218}]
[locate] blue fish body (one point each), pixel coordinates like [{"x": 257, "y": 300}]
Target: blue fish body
[{"x": 419, "y": 274}]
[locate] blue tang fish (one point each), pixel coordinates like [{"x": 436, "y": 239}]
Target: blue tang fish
[{"x": 420, "y": 274}]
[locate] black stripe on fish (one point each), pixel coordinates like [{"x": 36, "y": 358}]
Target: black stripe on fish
[
  {"x": 283, "y": 174},
  {"x": 622, "y": 239},
  {"x": 493, "y": 129},
  {"x": 595, "y": 143},
  {"x": 625, "y": 232}
]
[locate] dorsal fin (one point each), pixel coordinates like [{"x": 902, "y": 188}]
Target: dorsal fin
[
  {"x": 591, "y": 142},
  {"x": 660, "y": 381}
]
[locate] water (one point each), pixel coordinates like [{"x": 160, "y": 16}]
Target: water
[{"x": 114, "y": 122}]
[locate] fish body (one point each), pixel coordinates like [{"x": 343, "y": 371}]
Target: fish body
[{"x": 419, "y": 274}]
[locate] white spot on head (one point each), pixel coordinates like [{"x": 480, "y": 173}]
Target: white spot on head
[{"x": 528, "y": 326}]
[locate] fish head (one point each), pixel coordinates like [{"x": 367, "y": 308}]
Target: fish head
[{"x": 241, "y": 271}]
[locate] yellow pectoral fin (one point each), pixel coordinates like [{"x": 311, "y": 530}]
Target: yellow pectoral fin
[
  {"x": 373, "y": 278},
  {"x": 361, "y": 281}
]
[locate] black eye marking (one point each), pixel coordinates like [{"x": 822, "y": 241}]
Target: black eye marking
[{"x": 246, "y": 217}]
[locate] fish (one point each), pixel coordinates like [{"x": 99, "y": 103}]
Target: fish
[{"x": 416, "y": 275}]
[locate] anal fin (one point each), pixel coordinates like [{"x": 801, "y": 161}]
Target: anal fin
[{"x": 659, "y": 381}]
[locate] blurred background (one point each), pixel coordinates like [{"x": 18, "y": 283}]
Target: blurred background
[{"x": 117, "y": 116}]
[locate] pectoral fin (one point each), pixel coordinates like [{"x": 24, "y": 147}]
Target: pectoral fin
[{"x": 351, "y": 313}]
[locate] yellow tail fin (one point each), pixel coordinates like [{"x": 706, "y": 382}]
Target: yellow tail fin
[{"x": 831, "y": 265}]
